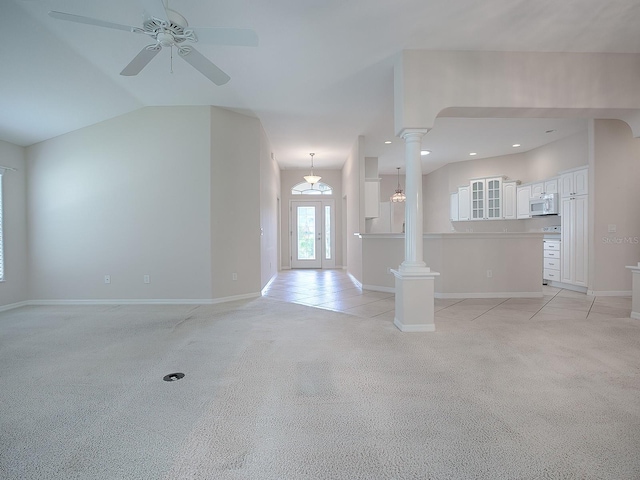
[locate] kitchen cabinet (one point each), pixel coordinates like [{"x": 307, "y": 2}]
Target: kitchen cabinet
[
  {"x": 551, "y": 186},
  {"x": 575, "y": 240},
  {"x": 454, "y": 207},
  {"x": 509, "y": 203},
  {"x": 486, "y": 198},
  {"x": 464, "y": 204},
  {"x": 574, "y": 182},
  {"x": 552, "y": 255},
  {"x": 523, "y": 195},
  {"x": 371, "y": 198},
  {"x": 544, "y": 187}
]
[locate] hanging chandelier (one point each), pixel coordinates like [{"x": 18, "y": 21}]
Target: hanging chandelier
[
  {"x": 399, "y": 196},
  {"x": 312, "y": 179}
]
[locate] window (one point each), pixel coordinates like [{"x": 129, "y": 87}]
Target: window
[{"x": 305, "y": 188}]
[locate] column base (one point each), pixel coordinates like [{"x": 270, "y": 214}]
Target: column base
[
  {"x": 415, "y": 299},
  {"x": 635, "y": 292}
]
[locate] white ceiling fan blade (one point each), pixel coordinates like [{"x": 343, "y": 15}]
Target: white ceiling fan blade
[
  {"x": 91, "y": 21},
  {"x": 141, "y": 60},
  {"x": 156, "y": 9},
  {"x": 242, "y": 37},
  {"x": 203, "y": 65}
]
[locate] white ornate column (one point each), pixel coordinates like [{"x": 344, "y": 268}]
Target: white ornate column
[{"x": 414, "y": 280}]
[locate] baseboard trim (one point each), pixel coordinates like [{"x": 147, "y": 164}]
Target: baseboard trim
[
  {"x": 425, "y": 327},
  {"x": 376, "y": 288},
  {"x": 268, "y": 283},
  {"x": 568, "y": 286},
  {"x": 491, "y": 295},
  {"x": 133, "y": 301},
  {"x": 609, "y": 293},
  {"x": 11, "y": 306},
  {"x": 355, "y": 280}
]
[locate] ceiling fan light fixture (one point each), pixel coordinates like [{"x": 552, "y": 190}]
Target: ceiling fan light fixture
[
  {"x": 312, "y": 179},
  {"x": 399, "y": 196}
]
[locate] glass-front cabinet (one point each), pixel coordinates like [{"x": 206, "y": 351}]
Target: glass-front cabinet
[{"x": 486, "y": 198}]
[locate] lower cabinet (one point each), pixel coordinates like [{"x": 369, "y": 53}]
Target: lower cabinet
[{"x": 552, "y": 255}]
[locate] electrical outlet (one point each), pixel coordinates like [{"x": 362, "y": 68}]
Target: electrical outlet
[
  {"x": 489, "y": 274},
  {"x": 107, "y": 279},
  {"x": 147, "y": 279},
  {"x": 234, "y": 276}
]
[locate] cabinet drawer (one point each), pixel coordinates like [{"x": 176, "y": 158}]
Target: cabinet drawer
[
  {"x": 551, "y": 254},
  {"x": 552, "y": 245},
  {"x": 548, "y": 274},
  {"x": 552, "y": 263}
]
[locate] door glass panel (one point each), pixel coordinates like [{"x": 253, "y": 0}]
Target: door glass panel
[
  {"x": 327, "y": 232},
  {"x": 306, "y": 233}
]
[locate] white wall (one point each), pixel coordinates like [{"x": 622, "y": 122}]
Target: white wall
[
  {"x": 289, "y": 179},
  {"x": 353, "y": 190},
  {"x": 615, "y": 201},
  {"x": 235, "y": 198},
  {"x": 125, "y": 197},
  {"x": 269, "y": 214},
  {"x": 512, "y": 84},
  {"x": 14, "y": 212}
]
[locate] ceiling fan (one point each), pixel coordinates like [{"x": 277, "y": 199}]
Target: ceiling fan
[{"x": 170, "y": 29}]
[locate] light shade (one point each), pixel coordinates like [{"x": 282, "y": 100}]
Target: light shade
[
  {"x": 312, "y": 179},
  {"x": 399, "y": 196}
]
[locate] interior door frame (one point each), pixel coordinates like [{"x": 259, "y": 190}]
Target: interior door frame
[{"x": 320, "y": 205}]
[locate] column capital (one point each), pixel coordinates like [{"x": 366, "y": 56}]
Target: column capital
[{"x": 412, "y": 133}]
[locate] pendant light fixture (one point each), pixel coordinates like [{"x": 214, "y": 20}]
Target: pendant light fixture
[
  {"x": 312, "y": 179},
  {"x": 399, "y": 196}
]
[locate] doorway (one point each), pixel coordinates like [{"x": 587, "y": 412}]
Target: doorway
[{"x": 312, "y": 234}]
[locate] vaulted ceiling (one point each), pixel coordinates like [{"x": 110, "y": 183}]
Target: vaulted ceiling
[{"x": 321, "y": 75}]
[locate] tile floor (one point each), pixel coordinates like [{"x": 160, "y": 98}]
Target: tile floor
[{"x": 335, "y": 290}]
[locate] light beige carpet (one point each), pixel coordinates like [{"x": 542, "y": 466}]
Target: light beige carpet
[{"x": 281, "y": 391}]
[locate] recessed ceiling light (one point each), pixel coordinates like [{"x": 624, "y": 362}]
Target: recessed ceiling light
[
  {"x": 387, "y": 142},
  {"x": 473, "y": 153},
  {"x": 425, "y": 152},
  {"x": 515, "y": 145}
]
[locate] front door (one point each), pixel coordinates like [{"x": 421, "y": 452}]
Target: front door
[{"x": 312, "y": 234}]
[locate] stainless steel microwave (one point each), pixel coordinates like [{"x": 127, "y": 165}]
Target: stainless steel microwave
[{"x": 546, "y": 204}]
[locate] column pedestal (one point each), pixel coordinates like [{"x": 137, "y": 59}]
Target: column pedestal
[
  {"x": 414, "y": 299},
  {"x": 635, "y": 293}
]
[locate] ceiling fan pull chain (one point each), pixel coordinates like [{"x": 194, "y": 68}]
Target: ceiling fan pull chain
[{"x": 171, "y": 58}]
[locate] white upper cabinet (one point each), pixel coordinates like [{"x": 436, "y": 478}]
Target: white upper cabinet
[
  {"x": 544, "y": 187},
  {"x": 537, "y": 189},
  {"x": 551, "y": 186},
  {"x": 509, "y": 200},
  {"x": 477, "y": 199},
  {"x": 523, "y": 194},
  {"x": 464, "y": 204},
  {"x": 486, "y": 198},
  {"x": 454, "y": 207},
  {"x": 575, "y": 182}
]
